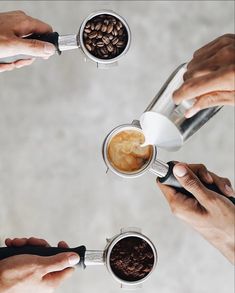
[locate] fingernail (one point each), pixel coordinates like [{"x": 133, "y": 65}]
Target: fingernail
[
  {"x": 180, "y": 170},
  {"x": 74, "y": 259},
  {"x": 191, "y": 112},
  {"x": 208, "y": 177},
  {"x": 229, "y": 189},
  {"x": 49, "y": 49}
]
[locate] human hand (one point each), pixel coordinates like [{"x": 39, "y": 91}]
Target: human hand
[
  {"x": 210, "y": 213},
  {"x": 13, "y": 26},
  {"x": 31, "y": 273},
  {"x": 210, "y": 76}
]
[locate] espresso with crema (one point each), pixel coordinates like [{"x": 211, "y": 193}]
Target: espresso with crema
[{"x": 125, "y": 152}]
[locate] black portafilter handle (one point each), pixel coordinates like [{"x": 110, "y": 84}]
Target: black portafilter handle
[
  {"x": 6, "y": 252},
  {"x": 52, "y": 38},
  {"x": 170, "y": 180}
]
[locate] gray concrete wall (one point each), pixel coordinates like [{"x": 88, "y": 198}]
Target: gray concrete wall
[{"x": 54, "y": 116}]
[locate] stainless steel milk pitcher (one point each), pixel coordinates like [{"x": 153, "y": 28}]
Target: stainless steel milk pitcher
[{"x": 163, "y": 122}]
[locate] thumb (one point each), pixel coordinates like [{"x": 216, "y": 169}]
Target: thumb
[
  {"x": 31, "y": 47},
  {"x": 59, "y": 262},
  {"x": 191, "y": 182}
]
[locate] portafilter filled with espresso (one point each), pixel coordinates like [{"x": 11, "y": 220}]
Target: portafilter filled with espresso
[
  {"x": 130, "y": 257},
  {"x": 104, "y": 37}
]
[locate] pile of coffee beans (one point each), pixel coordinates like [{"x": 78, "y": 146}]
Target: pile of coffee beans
[
  {"x": 105, "y": 36},
  {"x": 132, "y": 259}
]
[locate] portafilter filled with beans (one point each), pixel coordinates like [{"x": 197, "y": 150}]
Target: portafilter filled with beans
[{"x": 104, "y": 37}]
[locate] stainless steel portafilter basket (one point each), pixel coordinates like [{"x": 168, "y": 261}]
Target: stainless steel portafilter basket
[
  {"x": 75, "y": 41},
  {"x": 92, "y": 257}
]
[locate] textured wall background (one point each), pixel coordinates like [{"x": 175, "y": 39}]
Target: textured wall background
[{"x": 54, "y": 116}]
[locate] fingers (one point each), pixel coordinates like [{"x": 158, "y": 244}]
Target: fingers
[
  {"x": 212, "y": 99},
  {"x": 201, "y": 171},
  {"x": 221, "y": 80},
  {"x": 181, "y": 205},
  {"x": 17, "y": 242},
  {"x": 56, "y": 278},
  {"x": 191, "y": 182},
  {"x": 30, "y": 47},
  {"x": 215, "y": 45},
  {"x": 63, "y": 244},
  {"x": 31, "y": 25},
  {"x": 224, "y": 184},
  {"x": 59, "y": 262},
  {"x": 16, "y": 64}
]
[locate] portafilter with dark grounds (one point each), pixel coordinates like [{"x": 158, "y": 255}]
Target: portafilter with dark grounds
[{"x": 130, "y": 256}]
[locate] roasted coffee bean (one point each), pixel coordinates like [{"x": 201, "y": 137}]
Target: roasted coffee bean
[
  {"x": 120, "y": 32},
  {"x": 106, "y": 40},
  {"x": 87, "y": 25},
  {"x": 115, "y": 32},
  {"x": 119, "y": 25},
  {"x": 110, "y": 36},
  {"x": 88, "y": 47},
  {"x": 110, "y": 28},
  {"x": 120, "y": 44},
  {"x": 100, "y": 44},
  {"x": 92, "y": 26},
  {"x": 92, "y": 35},
  {"x": 104, "y": 28},
  {"x": 104, "y": 50},
  {"x": 98, "y": 26},
  {"x": 87, "y": 30},
  {"x": 99, "y": 35},
  {"x": 109, "y": 47},
  {"x": 106, "y": 21},
  {"x": 115, "y": 41}
]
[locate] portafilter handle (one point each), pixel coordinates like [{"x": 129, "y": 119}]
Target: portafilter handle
[
  {"x": 170, "y": 179},
  {"x": 61, "y": 43},
  {"x": 6, "y": 252}
]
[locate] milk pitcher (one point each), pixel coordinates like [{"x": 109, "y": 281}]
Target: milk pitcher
[{"x": 163, "y": 122}]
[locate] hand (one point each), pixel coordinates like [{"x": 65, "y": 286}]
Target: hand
[
  {"x": 30, "y": 273},
  {"x": 15, "y": 25},
  {"x": 210, "y": 213},
  {"x": 210, "y": 76}
]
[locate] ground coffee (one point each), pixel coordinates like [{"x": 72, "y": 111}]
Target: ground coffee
[
  {"x": 105, "y": 36},
  {"x": 132, "y": 259}
]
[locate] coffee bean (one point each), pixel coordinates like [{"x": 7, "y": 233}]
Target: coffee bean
[
  {"x": 100, "y": 44},
  {"x": 104, "y": 50},
  {"x": 110, "y": 36},
  {"x": 92, "y": 35},
  {"x": 87, "y": 30},
  {"x": 92, "y": 26},
  {"x": 120, "y": 44},
  {"x": 88, "y": 25},
  {"x": 104, "y": 28},
  {"x": 110, "y": 28},
  {"x": 88, "y": 47},
  {"x": 115, "y": 41},
  {"x": 110, "y": 47},
  {"x": 106, "y": 21},
  {"x": 115, "y": 32},
  {"x": 99, "y": 35},
  {"x": 106, "y": 40},
  {"x": 121, "y": 31},
  {"x": 98, "y": 26}
]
